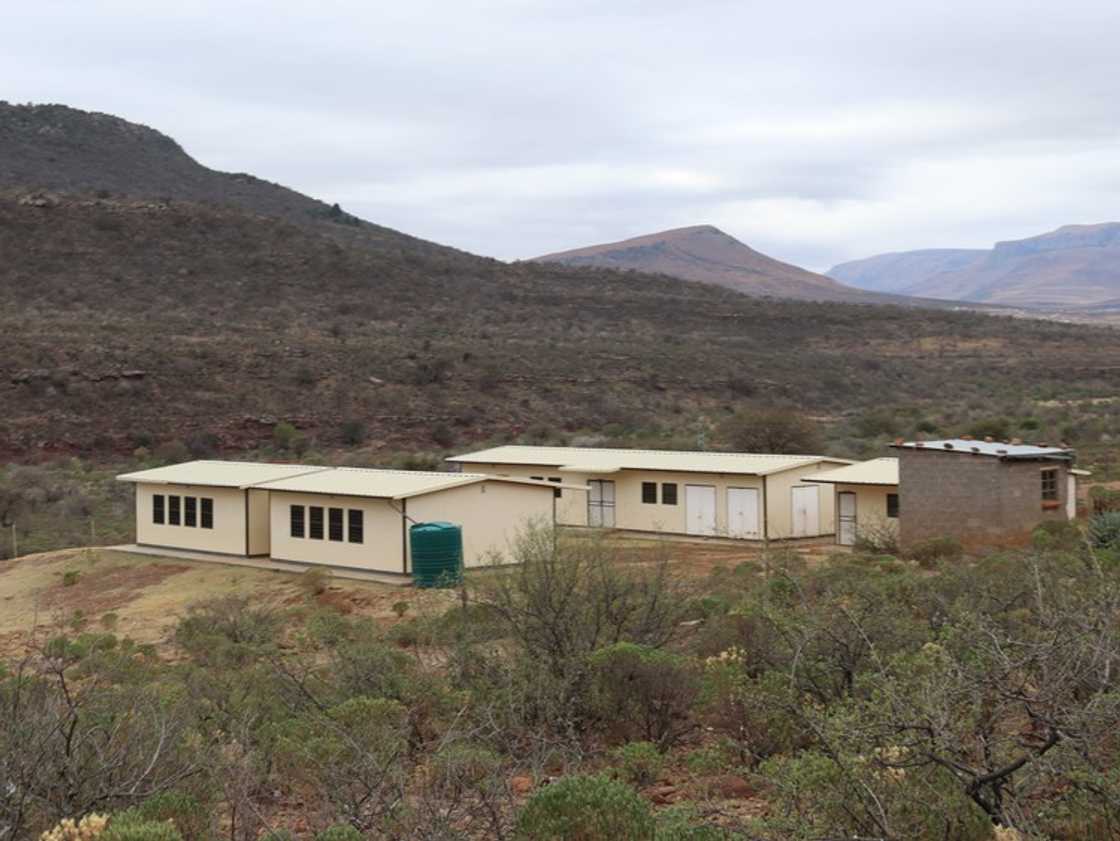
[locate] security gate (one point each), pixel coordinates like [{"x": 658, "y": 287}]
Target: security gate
[
  {"x": 600, "y": 503},
  {"x": 846, "y": 531}
]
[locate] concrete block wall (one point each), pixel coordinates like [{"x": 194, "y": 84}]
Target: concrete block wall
[{"x": 983, "y": 502}]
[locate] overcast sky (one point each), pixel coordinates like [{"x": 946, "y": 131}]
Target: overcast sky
[{"x": 815, "y": 132}]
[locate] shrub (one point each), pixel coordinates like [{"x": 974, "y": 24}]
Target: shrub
[
  {"x": 877, "y": 538},
  {"x": 1059, "y": 535},
  {"x": 682, "y": 823},
  {"x": 339, "y": 832},
  {"x": 639, "y": 762},
  {"x": 928, "y": 553},
  {"x": 643, "y": 691},
  {"x": 315, "y": 580},
  {"x": 184, "y": 810},
  {"x": 132, "y": 826},
  {"x": 588, "y": 808},
  {"x": 773, "y": 430},
  {"x": 288, "y": 438},
  {"x": 1104, "y": 530},
  {"x": 70, "y": 577},
  {"x": 353, "y": 432}
]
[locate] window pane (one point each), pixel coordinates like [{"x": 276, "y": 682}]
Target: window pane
[
  {"x": 892, "y": 505},
  {"x": 297, "y": 520},
  {"x": 173, "y": 510},
  {"x": 649, "y": 492},
  {"x": 669, "y": 493},
  {"x": 315, "y": 524},
  {"x": 157, "y": 508},
  {"x": 1049, "y": 484},
  {"x": 207, "y": 512},
  {"x": 190, "y": 511},
  {"x": 556, "y": 492},
  {"x": 336, "y": 524},
  {"x": 356, "y": 530}
]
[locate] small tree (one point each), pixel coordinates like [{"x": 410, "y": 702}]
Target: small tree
[
  {"x": 590, "y": 808},
  {"x": 770, "y": 430}
]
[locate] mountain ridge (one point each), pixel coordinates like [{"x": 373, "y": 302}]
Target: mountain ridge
[{"x": 1074, "y": 266}]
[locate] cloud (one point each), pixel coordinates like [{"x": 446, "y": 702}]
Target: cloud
[{"x": 816, "y": 132}]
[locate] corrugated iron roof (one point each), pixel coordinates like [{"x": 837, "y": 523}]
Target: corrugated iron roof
[
  {"x": 219, "y": 474},
  {"x": 603, "y": 460},
  {"x": 878, "y": 471},
  {"x": 998, "y": 449}
]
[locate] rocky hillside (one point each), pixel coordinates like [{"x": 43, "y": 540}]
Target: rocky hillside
[
  {"x": 1073, "y": 267},
  {"x": 705, "y": 253},
  {"x": 132, "y": 319}
]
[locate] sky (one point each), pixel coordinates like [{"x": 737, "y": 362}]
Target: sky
[{"x": 816, "y": 132}]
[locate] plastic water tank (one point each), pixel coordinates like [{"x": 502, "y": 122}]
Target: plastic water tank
[{"x": 437, "y": 554}]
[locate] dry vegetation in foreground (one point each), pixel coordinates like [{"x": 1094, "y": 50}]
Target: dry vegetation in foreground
[{"x": 592, "y": 692}]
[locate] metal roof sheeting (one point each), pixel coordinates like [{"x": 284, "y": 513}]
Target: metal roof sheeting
[
  {"x": 335, "y": 481},
  {"x": 998, "y": 449},
  {"x": 602, "y": 460},
  {"x": 878, "y": 471},
  {"x": 219, "y": 474}
]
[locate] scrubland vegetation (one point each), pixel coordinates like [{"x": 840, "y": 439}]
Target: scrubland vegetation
[{"x": 580, "y": 696}]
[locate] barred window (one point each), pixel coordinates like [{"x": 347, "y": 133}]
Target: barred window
[
  {"x": 335, "y": 524},
  {"x": 190, "y": 511},
  {"x": 556, "y": 492},
  {"x": 296, "y": 520},
  {"x": 315, "y": 524},
  {"x": 355, "y": 530},
  {"x": 157, "y": 509},
  {"x": 173, "y": 510},
  {"x": 668, "y": 493},
  {"x": 206, "y": 512},
  {"x": 649, "y": 492}
]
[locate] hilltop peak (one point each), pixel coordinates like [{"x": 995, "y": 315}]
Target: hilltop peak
[{"x": 707, "y": 254}]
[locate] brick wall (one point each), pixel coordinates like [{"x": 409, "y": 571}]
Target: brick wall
[{"x": 981, "y": 501}]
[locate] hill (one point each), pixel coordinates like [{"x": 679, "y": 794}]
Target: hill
[
  {"x": 706, "y": 254},
  {"x": 138, "y": 321},
  {"x": 1073, "y": 267},
  {"x": 63, "y": 149}
]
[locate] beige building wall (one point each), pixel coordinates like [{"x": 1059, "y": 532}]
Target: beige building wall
[
  {"x": 571, "y": 506},
  {"x": 871, "y": 506},
  {"x": 228, "y": 535},
  {"x": 491, "y": 515},
  {"x": 382, "y": 548},
  {"x": 632, "y": 514}
]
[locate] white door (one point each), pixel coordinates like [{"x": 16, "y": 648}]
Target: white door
[
  {"x": 846, "y": 531},
  {"x": 1071, "y": 497},
  {"x": 600, "y": 503},
  {"x": 700, "y": 509},
  {"x": 742, "y": 513},
  {"x": 806, "y": 511}
]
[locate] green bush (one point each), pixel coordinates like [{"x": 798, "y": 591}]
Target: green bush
[
  {"x": 183, "y": 810},
  {"x": 928, "y": 553},
  {"x": 588, "y": 808},
  {"x": 132, "y": 826},
  {"x": 339, "y": 832},
  {"x": 639, "y": 762},
  {"x": 1104, "y": 530},
  {"x": 70, "y": 577},
  {"x": 682, "y": 823}
]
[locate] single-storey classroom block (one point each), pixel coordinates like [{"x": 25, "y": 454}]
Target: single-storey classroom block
[
  {"x": 736, "y": 495},
  {"x": 867, "y": 498},
  {"x": 983, "y": 493},
  {"x": 342, "y": 517}
]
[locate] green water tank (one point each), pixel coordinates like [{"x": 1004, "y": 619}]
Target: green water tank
[{"x": 437, "y": 554}]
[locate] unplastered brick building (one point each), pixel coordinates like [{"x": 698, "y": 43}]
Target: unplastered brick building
[{"x": 983, "y": 493}]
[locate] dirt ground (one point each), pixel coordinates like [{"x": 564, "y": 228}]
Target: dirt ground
[{"x": 144, "y": 596}]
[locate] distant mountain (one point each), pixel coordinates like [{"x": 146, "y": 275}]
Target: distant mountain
[
  {"x": 706, "y": 254},
  {"x": 901, "y": 271},
  {"x": 1074, "y": 267}
]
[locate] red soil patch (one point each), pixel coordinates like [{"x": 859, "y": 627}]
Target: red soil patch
[{"x": 100, "y": 590}]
